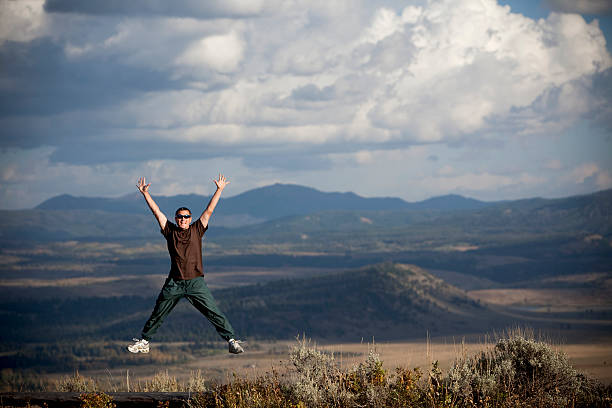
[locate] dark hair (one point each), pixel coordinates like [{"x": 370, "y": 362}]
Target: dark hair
[{"x": 182, "y": 209}]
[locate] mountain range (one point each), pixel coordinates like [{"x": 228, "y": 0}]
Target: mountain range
[
  {"x": 280, "y": 214},
  {"x": 260, "y": 204}
]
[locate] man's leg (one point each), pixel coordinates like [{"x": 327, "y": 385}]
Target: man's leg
[
  {"x": 199, "y": 296},
  {"x": 168, "y": 297}
]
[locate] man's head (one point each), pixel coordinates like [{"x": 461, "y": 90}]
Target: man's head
[{"x": 183, "y": 217}]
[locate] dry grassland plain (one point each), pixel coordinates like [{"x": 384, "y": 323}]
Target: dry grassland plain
[
  {"x": 260, "y": 358},
  {"x": 146, "y": 285}
]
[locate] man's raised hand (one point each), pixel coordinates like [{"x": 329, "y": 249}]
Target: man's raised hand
[
  {"x": 221, "y": 182},
  {"x": 142, "y": 186}
]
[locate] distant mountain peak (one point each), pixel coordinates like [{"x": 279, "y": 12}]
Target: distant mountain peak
[
  {"x": 262, "y": 203},
  {"x": 451, "y": 202}
]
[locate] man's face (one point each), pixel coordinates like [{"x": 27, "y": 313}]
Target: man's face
[{"x": 183, "y": 218}]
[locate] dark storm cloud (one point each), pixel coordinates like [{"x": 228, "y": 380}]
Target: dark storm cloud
[
  {"x": 42, "y": 80},
  {"x": 304, "y": 160},
  {"x": 178, "y": 8},
  {"x": 581, "y": 6},
  {"x": 602, "y": 89},
  {"x": 49, "y": 99},
  {"x": 101, "y": 151},
  {"x": 311, "y": 92},
  {"x": 590, "y": 97}
]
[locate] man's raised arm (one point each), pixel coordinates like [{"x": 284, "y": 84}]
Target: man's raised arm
[
  {"x": 144, "y": 189},
  {"x": 221, "y": 183}
]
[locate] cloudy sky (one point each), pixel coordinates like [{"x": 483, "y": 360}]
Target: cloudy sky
[{"x": 489, "y": 99}]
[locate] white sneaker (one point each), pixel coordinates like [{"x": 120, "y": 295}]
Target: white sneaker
[
  {"x": 139, "y": 346},
  {"x": 234, "y": 346}
]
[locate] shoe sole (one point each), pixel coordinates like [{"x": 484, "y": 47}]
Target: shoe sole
[{"x": 138, "y": 351}]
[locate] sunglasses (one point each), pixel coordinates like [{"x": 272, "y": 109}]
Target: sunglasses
[{"x": 181, "y": 216}]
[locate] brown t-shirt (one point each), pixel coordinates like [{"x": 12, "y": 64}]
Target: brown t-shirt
[{"x": 185, "y": 249}]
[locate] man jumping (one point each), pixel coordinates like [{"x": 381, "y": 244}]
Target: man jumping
[{"x": 186, "y": 278}]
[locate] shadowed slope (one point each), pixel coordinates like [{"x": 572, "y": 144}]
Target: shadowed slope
[{"x": 387, "y": 301}]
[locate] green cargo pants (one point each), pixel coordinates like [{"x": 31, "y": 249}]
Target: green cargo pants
[{"x": 196, "y": 291}]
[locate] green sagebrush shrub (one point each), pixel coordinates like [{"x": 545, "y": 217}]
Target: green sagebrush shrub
[
  {"x": 316, "y": 376},
  {"x": 523, "y": 371}
]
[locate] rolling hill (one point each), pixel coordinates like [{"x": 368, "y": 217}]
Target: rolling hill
[{"x": 385, "y": 301}]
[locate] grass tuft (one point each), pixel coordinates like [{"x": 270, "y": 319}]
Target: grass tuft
[{"x": 77, "y": 383}]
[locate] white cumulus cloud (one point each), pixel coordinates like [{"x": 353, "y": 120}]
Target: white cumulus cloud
[
  {"x": 476, "y": 62},
  {"x": 601, "y": 178},
  {"x": 222, "y": 53},
  {"x": 21, "y": 20},
  {"x": 446, "y": 72}
]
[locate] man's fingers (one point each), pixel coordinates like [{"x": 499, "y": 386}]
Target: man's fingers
[
  {"x": 221, "y": 180},
  {"x": 141, "y": 184}
]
